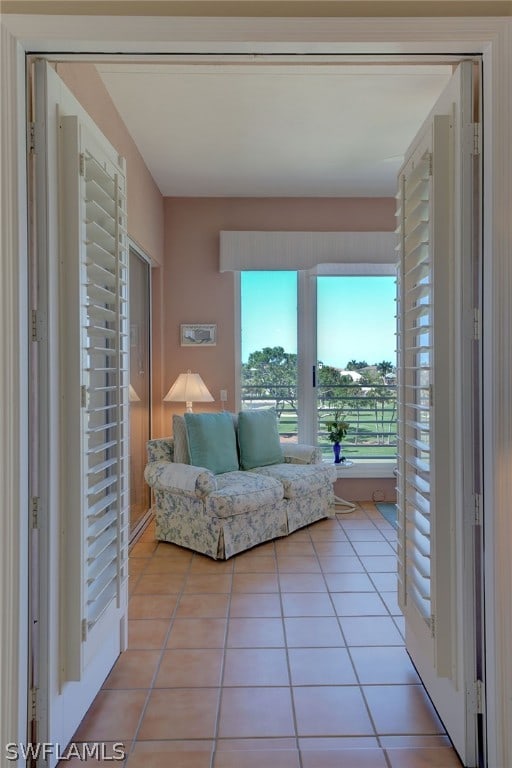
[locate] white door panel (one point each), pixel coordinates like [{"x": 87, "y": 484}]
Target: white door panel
[
  {"x": 436, "y": 454},
  {"x": 81, "y": 274}
]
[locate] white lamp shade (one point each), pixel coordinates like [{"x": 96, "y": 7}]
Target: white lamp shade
[{"x": 189, "y": 388}]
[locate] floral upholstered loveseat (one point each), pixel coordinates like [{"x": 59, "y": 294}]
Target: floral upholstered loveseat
[{"x": 220, "y": 502}]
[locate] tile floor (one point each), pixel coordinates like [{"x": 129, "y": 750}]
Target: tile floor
[{"x": 290, "y": 655}]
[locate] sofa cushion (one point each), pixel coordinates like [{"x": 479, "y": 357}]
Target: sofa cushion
[
  {"x": 241, "y": 492},
  {"x": 258, "y": 439},
  {"x": 212, "y": 441},
  {"x": 299, "y": 479}
]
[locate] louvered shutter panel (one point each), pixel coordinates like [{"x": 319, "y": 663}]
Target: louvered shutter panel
[
  {"x": 97, "y": 318},
  {"x": 425, "y": 365}
]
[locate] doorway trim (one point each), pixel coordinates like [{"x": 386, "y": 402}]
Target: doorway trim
[{"x": 492, "y": 37}]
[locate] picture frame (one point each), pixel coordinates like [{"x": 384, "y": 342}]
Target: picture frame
[{"x": 198, "y": 334}]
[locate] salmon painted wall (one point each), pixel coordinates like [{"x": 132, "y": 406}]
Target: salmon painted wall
[
  {"x": 194, "y": 291},
  {"x": 145, "y": 203}
]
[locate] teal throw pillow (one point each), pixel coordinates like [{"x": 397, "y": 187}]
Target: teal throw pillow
[
  {"x": 212, "y": 441},
  {"x": 258, "y": 439}
]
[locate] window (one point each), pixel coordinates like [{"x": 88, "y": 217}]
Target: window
[{"x": 344, "y": 361}]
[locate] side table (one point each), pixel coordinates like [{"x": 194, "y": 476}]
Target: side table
[{"x": 339, "y": 502}]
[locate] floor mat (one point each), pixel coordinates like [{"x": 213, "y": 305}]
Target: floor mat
[{"x": 388, "y": 511}]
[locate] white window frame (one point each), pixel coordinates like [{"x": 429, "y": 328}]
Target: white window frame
[{"x": 307, "y": 354}]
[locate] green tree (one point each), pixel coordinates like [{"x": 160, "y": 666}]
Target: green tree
[
  {"x": 356, "y": 365},
  {"x": 384, "y": 368},
  {"x": 271, "y": 373}
]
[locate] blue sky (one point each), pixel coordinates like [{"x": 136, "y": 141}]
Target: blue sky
[{"x": 356, "y": 316}]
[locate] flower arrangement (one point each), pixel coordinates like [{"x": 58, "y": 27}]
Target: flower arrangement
[{"x": 337, "y": 428}]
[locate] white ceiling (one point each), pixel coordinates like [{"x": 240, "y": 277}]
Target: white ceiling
[{"x": 260, "y": 129}]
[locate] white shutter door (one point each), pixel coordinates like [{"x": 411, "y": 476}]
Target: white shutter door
[
  {"x": 96, "y": 357},
  {"x": 435, "y": 311}
]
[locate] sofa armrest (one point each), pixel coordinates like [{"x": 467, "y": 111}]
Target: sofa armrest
[
  {"x": 180, "y": 478},
  {"x": 300, "y": 453},
  {"x": 160, "y": 449}
]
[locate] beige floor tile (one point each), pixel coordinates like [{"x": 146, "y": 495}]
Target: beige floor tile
[
  {"x": 254, "y": 605},
  {"x": 344, "y": 758},
  {"x": 258, "y": 759},
  {"x": 298, "y": 564},
  {"x": 289, "y": 545},
  {"x": 181, "y": 713},
  {"x": 202, "y": 606},
  {"x": 379, "y": 563},
  {"x": 370, "y": 630},
  {"x": 391, "y": 601},
  {"x": 208, "y": 583},
  {"x": 337, "y": 742},
  {"x": 203, "y": 564},
  {"x": 313, "y": 632},
  {"x": 402, "y": 709},
  {"x": 255, "y": 633},
  {"x": 358, "y": 604},
  {"x": 175, "y": 565},
  {"x": 334, "y": 549},
  {"x": 164, "y": 549},
  {"x": 340, "y": 564},
  {"x": 198, "y": 633},
  {"x": 256, "y": 712},
  {"x": 302, "y": 582},
  {"x": 383, "y": 665},
  {"x": 415, "y": 741},
  {"x": 253, "y": 745},
  {"x": 160, "y": 584},
  {"x": 384, "y": 582},
  {"x": 255, "y": 666},
  {"x": 190, "y": 668},
  {"x": 443, "y": 757},
  {"x": 147, "y": 634},
  {"x": 255, "y": 582},
  {"x": 133, "y": 669},
  {"x": 151, "y": 606},
  {"x": 321, "y": 666},
  {"x": 365, "y": 534},
  {"x": 143, "y": 549},
  {"x": 168, "y": 759},
  {"x": 255, "y": 564},
  {"x": 307, "y": 604},
  {"x": 373, "y": 548},
  {"x": 113, "y": 716},
  {"x": 349, "y": 582},
  {"x": 331, "y": 711}
]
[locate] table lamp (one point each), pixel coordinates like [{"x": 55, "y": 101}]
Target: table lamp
[{"x": 188, "y": 388}]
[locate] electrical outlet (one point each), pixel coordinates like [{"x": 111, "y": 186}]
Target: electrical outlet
[{"x": 223, "y": 395}]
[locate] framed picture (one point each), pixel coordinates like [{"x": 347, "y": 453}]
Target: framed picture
[{"x": 198, "y": 335}]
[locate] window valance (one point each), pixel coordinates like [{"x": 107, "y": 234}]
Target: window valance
[{"x": 245, "y": 250}]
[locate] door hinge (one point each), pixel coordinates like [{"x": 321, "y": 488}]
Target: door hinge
[
  {"x": 83, "y": 396},
  {"x": 31, "y": 138},
  {"x": 37, "y": 326},
  {"x": 81, "y": 162},
  {"x": 479, "y": 697},
  {"x": 476, "y": 324},
  {"x": 477, "y": 141},
  {"x": 35, "y": 511},
  {"x": 478, "y": 509},
  {"x": 84, "y": 630},
  {"x": 432, "y": 625}
]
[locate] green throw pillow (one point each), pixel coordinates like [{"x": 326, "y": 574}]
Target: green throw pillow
[
  {"x": 258, "y": 439},
  {"x": 212, "y": 441}
]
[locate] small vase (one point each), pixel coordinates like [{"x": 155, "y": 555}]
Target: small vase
[{"x": 337, "y": 453}]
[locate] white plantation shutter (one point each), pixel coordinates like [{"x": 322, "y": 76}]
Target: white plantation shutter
[
  {"x": 425, "y": 363},
  {"x": 96, "y": 367}
]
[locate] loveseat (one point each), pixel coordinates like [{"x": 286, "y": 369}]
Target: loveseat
[{"x": 224, "y": 483}]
